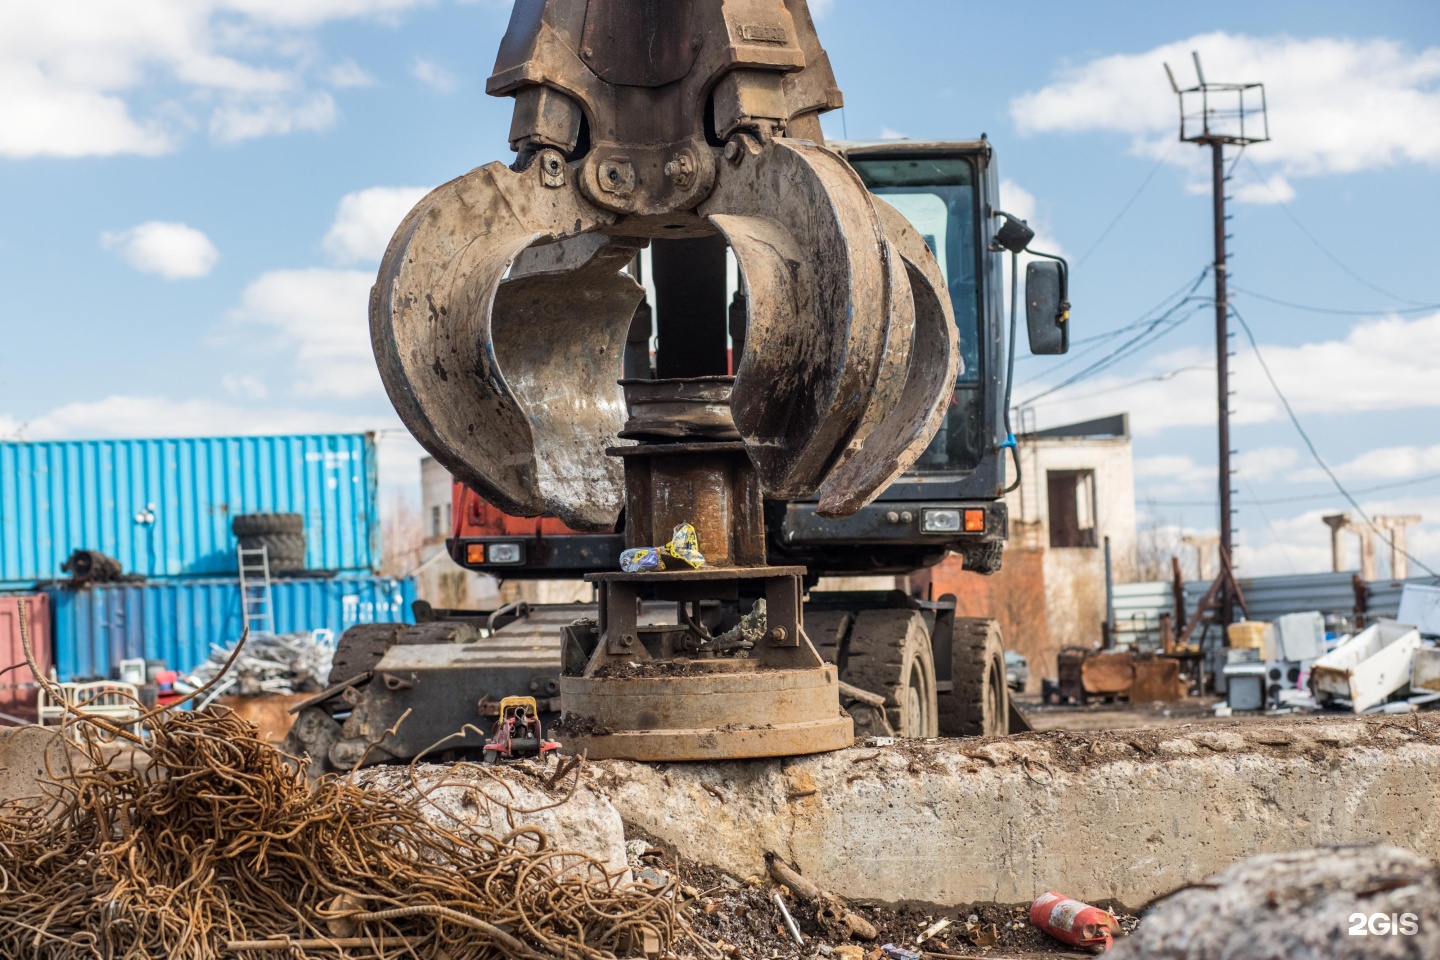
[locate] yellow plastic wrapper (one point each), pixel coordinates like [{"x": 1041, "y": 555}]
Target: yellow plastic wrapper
[{"x": 684, "y": 546}]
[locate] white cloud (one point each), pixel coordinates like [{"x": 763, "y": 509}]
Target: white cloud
[
  {"x": 820, "y": 8},
  {"x": 173, "y": 250},
  {"x": 1382, "y": 364},
  {"x": 1264, "y": 463},
  {"x": 366, "y": 219},
  {"x": 1336, "y": 105},
  {"x": 97, "y": 78},
  {"x": 1381, "y": 464},
  {"x": 244, "y": 385},
  {"x": 160, "y": 416},
  {"x": 250, "y": 118},
  {"x": 1276, "y": 189},
  {"x": 433, "y": 75},
  {"x": 321, "y": 315},
  {"x": 1170, "y": 476},
  {"x": 890, "y": 133},
  {"x": 347, "y": 73}
]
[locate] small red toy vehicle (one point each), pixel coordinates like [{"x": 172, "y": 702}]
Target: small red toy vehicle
[{"x": 518, "y": 733}]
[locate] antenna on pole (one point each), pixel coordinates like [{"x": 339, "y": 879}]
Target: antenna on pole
[{"x": 1217, "y": 114}]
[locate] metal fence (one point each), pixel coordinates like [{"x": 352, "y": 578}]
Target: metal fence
[{"x": 1138, "y": 606}]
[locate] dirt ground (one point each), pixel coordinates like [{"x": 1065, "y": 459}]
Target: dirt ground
[
  {"x": 1123, "y": 715},
  {"x": 741, "y": 917}
]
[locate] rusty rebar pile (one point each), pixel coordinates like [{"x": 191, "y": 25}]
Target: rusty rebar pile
[{"x": 219, "y": 842}]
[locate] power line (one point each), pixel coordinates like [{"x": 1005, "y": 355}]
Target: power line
[
  {"x": 1158, "y": 378},
  {"x": 1146, "y": 338},
  {"x": 1343, "y": 313},
  {"x": 1310, "y": 445},
  {"x": 1315, "y": 240},
  {"x": 1135, "y": 343},
  {"x": 1128, "y": 204},
  {"x": 1311, "y": 497},
  {"x": 1098, "y": 338}
]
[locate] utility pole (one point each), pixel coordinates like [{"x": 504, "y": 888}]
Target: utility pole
[{"x": 1214, "y": 115}]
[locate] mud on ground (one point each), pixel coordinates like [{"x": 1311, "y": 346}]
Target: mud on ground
[{"x": 740, "y": 916}]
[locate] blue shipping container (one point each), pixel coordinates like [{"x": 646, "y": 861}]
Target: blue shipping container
[
  {"x": 163, "y": 507},
  {"x": 178, "y": 620}
]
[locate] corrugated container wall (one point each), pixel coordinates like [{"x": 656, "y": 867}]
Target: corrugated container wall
[
  {"x": 178, "y": 620},
  {"x": 163, "y": 507},
  {"x": 17, "y": 683}
]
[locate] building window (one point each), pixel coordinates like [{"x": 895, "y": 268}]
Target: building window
[
  {"x": 1071, "y": 495},
  {"x": 435, "y": 521}
]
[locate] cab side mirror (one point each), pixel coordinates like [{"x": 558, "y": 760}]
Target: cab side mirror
[{"x": 1047, "y": 306}]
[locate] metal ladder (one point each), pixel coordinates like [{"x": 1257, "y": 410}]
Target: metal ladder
[{"x": 256, "y": 606}]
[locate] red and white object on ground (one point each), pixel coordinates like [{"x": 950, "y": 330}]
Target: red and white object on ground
[{"x": 1073, "y": 922}]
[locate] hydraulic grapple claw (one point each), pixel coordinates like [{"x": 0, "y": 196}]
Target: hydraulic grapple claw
[{"x": 500, "y": 315}]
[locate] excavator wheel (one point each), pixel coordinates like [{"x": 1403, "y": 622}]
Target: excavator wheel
[
  {"x": 889, "y": 654},
  {"x": 827, "y": 630},
  {"x": 979, "y": 702}
]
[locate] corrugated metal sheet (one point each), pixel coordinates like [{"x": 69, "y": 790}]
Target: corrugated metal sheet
[
  {"x": 17, "y": 685},
  {"x": 60, "y": 496},
  {"x": 1138, "y": 605},
  {"x": 177, "y": 621}
]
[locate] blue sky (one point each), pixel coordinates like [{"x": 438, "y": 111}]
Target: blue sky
[{"x": 195, "y": 194}]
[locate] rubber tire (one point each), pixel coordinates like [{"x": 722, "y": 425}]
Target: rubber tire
[
  {"x": 283, "y": 551},
  {"x": 978, "y": 704},
  {"x": 889, "y": 654},
  {"x": 267, "y": 524},
  {"x": 360, "y": 648},
  {"x": 984, "y": 558},
  {"x": 827, "y": 630}
]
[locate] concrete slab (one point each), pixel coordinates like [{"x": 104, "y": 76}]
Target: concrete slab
[
  {"x": 1127, "y": 815},
  {"x": 505, "y": 800}
]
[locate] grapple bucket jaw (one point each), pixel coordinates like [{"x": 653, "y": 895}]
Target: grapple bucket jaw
[{"x": 500, "y": 314}]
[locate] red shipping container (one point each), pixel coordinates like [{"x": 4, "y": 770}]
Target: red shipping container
[{"x": 17, "y": 683}]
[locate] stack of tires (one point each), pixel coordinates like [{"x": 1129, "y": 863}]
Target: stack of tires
[{"x": 281, "y": 534}]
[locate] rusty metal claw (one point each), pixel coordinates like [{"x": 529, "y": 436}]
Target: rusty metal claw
[
  {"x": 510, "y": 383},
  {"x": 812, "y": 257},
  {"x": 500, "y": 313},
  {"x": 901, "y": 422}
]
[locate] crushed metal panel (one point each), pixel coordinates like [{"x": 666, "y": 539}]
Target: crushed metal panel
[
  {"x": 1420, "y": 607},
  {"x": 1368, "y": 667}
]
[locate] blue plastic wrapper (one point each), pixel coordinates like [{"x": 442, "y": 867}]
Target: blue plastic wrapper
[{"x": 641, "y": 560}]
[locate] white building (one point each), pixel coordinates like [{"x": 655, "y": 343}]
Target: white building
[{"x": 1077, "y": 489}]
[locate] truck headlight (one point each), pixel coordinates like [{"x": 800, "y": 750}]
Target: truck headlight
[
  {"x": 506, "y": 552},
  {"x": 940, "y": 521}
]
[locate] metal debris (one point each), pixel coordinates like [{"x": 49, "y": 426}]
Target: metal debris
[{"x": 271, "y": 663}]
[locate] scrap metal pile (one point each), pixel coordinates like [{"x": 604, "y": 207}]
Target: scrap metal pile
[
  {"x": 270, "y": 663},
  {"x": 208, "y": 843}
]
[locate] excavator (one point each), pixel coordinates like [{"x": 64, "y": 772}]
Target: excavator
[{"x": 843, "y": 412}]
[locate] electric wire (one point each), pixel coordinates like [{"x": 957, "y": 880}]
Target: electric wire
[
  {"x": 1333, "y": 310},
  {"x": 1310, "y": 497},
  {"x": 1128, "y": 204},
  {"x": 1285, "y": 208},
  {"x": 1315, "y": 453},
  {"x": 1099, "y": 339},
  {"x": 1158, "y": 378},
  {"x": 1150, "y": 335}
]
